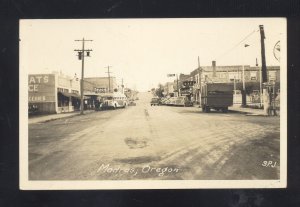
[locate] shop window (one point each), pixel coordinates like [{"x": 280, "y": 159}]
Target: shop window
[
  {"x": 233, "y": 75},
  {"x": 253, "y": 75},
  {"x": 272, "y": 75},
  {"x": 62, "y": 90},
  {"x": 222, "y": 75}
]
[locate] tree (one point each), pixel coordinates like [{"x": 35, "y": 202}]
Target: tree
[{"x": 159, "y": 91}]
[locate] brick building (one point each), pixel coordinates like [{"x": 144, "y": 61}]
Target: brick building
[{"x": 227, "y": 74}]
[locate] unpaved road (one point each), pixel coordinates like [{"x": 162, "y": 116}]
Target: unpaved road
[{"x": 158, "y": 142}]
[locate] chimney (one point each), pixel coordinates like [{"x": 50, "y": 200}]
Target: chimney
[{"x": 214, "y": 68}]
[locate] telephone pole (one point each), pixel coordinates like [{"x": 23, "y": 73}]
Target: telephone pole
[
  {"x": 200, "y": 84},
  {"x": 244, "y": 96},
  {"x": 108, "y": 73},
  {"x": 122, "y": 86},
  {"x": 266, "y": 98},
  {"x": 263, "y": 56},
  {"x": 177, "y": 85},
  {"x": 81, "y": 56}
]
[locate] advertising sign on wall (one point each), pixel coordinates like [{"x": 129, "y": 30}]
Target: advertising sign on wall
[{"x": 41, "y": 88}]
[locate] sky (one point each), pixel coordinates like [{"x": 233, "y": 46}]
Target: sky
[{"x": 144, "y": 51}]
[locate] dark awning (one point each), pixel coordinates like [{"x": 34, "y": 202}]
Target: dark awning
[{"x": 75, "y": 95}]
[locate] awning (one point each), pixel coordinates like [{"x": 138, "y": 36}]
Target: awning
[
  {"x": 90, "y": 94},
  {"x": 75, "y": 95}
]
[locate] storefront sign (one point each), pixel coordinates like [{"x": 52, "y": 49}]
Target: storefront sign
[
  {"x": 100, "y": 90},
  {"x": 189, "y": 83},
  {"x": 41, "y": 88}
]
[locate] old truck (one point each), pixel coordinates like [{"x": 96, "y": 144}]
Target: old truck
[{"x": 217, "y": 96}]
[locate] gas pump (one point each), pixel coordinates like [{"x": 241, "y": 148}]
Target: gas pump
[{"x": 269, "y": 95}]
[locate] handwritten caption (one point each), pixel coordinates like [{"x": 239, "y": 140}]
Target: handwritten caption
[{"x": 159, "y": 171}]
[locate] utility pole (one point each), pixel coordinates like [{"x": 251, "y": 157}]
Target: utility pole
[
  {"x": 122, "y": 86},
  {"x": 263, "y": 56},
  {"x": 81, "y": 57},
  {"x": 200, "y": 85},
  {"x": 244, "y": 97},
  {"x": 266, "y": 98},
  {"x": 177, "y": 85},
  {"x": 108, "y": 72},
  {"x": 260, "y": 85}
]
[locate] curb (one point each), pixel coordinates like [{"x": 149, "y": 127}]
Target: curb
[
  {"x": 53, "y": 119},
  {"x": 247, "y": 113}
]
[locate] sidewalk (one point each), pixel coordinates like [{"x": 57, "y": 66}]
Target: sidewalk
[
  {"x": 238, "y": 108},
  {"x": 51, "y": 117},
  {"x": 249, "y": 111}
]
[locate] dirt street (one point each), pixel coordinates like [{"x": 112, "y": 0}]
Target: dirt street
[{"x": 155, "y": 142}]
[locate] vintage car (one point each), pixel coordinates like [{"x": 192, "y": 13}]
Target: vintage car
[
  {"x": 113, "y": 101},
  {"x": 183, "y": 101},
  {"x": 164, "y": 101},
  {"x": 172, "y": 101},
  {"x": 155, "y": 101}
]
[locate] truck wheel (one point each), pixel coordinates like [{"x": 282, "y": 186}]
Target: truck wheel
[
  {"x": 225, "y": 110},
  {"x": 205, "y": 109}
]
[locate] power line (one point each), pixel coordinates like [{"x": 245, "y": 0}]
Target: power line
[
  {"x": 108, "y": 72},
  {"x": 236, "y": 45}
]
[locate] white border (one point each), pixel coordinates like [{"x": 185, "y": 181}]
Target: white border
[{"x": 25, "y": 184}]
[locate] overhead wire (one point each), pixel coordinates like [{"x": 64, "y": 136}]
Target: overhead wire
[{"x": 236, "y": 45}]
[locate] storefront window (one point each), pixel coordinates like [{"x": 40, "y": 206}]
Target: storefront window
[
  {"x": 272, "y": 75},
  {"x": 253, "y": 75}
]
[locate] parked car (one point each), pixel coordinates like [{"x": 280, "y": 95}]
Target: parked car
[
  {"x": 131, "y": 103},
  {"x": 167, "y": 102},
  {"x": 155, "y": 101},
  {"x": 112, "y": 101},
  {"x": 172, "y": 101},
  {"x": 164, "y": 101},
  {"x": 183, "y": 101}
]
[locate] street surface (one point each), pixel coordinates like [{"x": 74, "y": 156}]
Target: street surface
[{"x": 155, "y": 142}]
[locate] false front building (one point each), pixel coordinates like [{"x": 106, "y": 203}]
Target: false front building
[
  {"x": 59, "y": 93},
  {"x": 53, "y": 93}
]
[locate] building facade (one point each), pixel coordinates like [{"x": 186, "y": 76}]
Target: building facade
[
  {"x": 59, "y": 93},
  {"x": 53, "y": 93},
  {"x": 100, "y": 84},
  {"x": 229, "y": 74}
]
